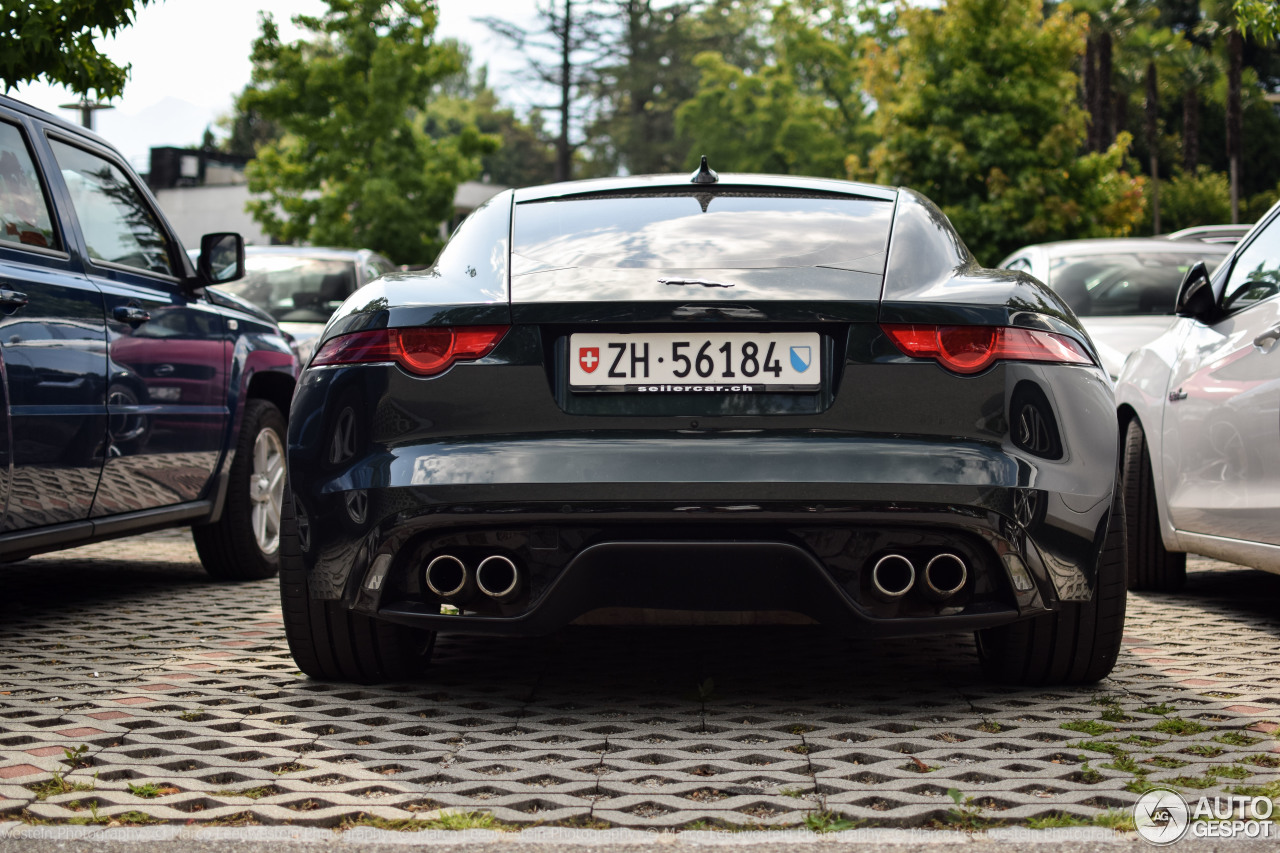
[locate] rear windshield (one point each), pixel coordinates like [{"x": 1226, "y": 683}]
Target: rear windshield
[
  {"x": 1123, "y": 284},
  {"x": 723, "y": 230}
]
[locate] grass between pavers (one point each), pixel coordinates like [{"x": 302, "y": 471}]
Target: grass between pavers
[
  {"x": 452, "y": 820},
  {"x": 58, "y": 784},
  {"x": 968, "y": 816}
]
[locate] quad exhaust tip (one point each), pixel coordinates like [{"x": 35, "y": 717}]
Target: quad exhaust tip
[
  {"x": 944, "y": 576},
  {"x": 498, "y": 578},
  {"x": 892, "y": 576},
  {"x": 448, "y": 577}
]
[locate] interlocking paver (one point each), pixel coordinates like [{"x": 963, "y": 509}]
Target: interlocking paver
[{"x": 189, "y": 708}]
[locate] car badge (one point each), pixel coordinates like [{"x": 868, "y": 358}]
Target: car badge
[
  {"x": 704, "y": 282},
  {"x": 589, "y": 358},
  {"x": 801, "y": 358}
]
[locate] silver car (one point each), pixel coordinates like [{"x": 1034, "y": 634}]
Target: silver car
[
  {"x": 301, "y": 287},
  {"x": 1122, "y": 290},
  {"x": 1200, "y": 421}
]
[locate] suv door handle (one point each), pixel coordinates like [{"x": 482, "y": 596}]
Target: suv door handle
[
  {"x": 131, "y": 314},
  {"x": 12, "y": 299}
]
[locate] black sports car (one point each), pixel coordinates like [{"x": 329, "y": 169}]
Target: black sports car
[{"x": 743, "y": 393}]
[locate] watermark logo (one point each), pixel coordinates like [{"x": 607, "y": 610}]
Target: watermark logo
[{"x": 1162, "y": 817}]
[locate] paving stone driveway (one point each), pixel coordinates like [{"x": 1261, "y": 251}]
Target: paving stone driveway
[{"x": 180, "y": 700}]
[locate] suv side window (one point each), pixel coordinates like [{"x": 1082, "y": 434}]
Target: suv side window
[
  {"x": 1255, "y": 276},
  {"x": 24, "y": 210},
  {"x": 117, "y": 224}
]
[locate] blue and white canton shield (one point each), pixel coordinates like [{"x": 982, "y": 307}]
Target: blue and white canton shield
[{"x": 801, "y": 358}]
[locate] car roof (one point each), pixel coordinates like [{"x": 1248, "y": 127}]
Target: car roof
[
  {"x": 54, "y": 120},
  {"x": 1211, "y": 233},
  {"x": 1126, "y": 245},
  {"x": 643, "y": 183}
]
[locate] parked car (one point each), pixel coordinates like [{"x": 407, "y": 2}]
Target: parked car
[
  {"x": 1199, "y": 412},
  {"x": 136, "y": 397},
  {"x": 736, "y": 394},
  {"x": 301, "y": 287},
  {"x": 1122, "y": 290}
]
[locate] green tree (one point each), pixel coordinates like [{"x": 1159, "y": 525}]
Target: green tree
[
  {"x": 977, "y": 109},
  {"x": 651, "y": 72},
  {"x": 526, "y": 156},
  {"x": 245, "y": 129},
  {"x": 562, "y": 52},
  {"x": 53, "y": 40},
  {"x": 801, "y": 113},
  {"x": 1201, "y": 197},
  {"x": 353, "y": 165}
]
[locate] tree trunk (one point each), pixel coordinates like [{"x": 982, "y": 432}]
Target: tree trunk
[
  {"x": 1153, "y": 142},
  {"x": 1106, "y": 116},
  {"x": 1235, "y": 55},
  {"x": 1190, "y": 129},
  {"x": 564, "y": 154},
  {"x": 1089, "y": 80}
]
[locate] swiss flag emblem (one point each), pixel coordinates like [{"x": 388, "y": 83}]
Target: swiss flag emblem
[{"x": 589, "y": 358}]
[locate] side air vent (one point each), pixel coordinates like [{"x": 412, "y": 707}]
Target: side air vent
[{"x": 1032, "y": 423}]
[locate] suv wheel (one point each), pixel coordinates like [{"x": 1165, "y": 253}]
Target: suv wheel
[{"x": 245, "y": 543}]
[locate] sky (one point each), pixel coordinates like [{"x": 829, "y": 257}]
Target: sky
[{"x": 190, "y": 57}]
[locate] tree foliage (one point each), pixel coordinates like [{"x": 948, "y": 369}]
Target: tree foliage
[
  {"x": 802, "y": 112},
  {"x": 977, "y": 109},
  {"x": 526, "y": 154},
  {"x": 1259, "y": 19},
  {"x": 53, "y": 40},
  {"x": 353, "y": 165}
]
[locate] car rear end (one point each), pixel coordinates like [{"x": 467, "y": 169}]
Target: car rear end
[{"x": 759, "y": 396}]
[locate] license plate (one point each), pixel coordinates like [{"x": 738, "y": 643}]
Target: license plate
[{"x": 695, "y": 363}]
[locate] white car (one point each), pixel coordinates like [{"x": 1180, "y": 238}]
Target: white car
[
  {"x": 301, "y": 286},
  {"x": 1200, "y": 422},
  {"x": 1122, "y": 290}
]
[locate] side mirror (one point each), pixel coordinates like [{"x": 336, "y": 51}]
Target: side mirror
[
  {"x": 221, "y": 258},
  {"x": 1195, "y": 295}
]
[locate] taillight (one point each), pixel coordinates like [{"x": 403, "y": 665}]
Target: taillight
[
  {"x": 972, "y": 349},
  {"x": 424, "y": 350}
]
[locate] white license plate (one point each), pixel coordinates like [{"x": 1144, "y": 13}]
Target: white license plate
[{"x": 695, "y": 362}]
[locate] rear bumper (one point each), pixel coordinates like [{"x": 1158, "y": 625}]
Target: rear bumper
[{"x": 1023, "y": 552}]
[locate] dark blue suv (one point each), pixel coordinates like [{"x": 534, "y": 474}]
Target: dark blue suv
[{"x": 135, "y": 396}]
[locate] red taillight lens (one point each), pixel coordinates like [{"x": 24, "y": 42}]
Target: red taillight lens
[
  {"x": 424, "y": 350},
  {"x": 972, "y": 349}
]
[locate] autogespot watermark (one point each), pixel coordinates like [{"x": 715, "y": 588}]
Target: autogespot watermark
[{"x": 1163, "y": 817}]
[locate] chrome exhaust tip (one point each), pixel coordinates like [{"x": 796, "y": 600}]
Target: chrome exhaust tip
[
  {"x": 945, "y": 575},
  {"x": 447, "y": 577},
  {"x": 892, "y": 576},
  {"x": 498, "y": 578}
]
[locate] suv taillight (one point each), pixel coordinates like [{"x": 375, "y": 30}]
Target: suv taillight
[
  {"x": 972, "y": 349},
  {"x": 422, "y": 350}
]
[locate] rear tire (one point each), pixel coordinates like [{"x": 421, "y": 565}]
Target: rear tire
[
  {"x": 1151, "y": 567},
  {"x": 331, "y": 643},
  {"x": 245, "y": 543},
  {"x": 1076, "y": 644}
]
